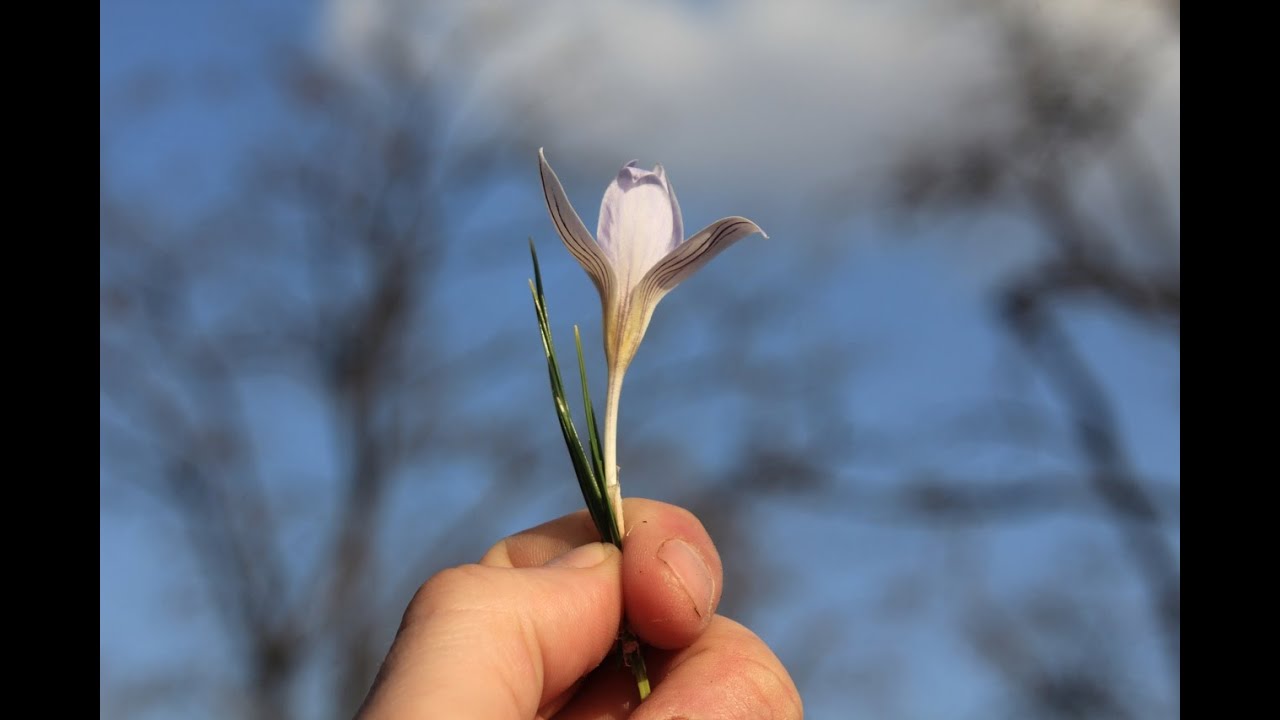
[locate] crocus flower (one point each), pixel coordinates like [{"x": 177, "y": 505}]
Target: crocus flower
[{"x": 639, "y": 254}]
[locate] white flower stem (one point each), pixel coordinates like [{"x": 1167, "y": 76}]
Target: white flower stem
[{"x": 611, "y": 485}]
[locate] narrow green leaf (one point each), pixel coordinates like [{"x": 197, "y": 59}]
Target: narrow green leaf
[
  {"x": 588, "y": 481},
  {"x": 589, "y": 471},
  {"x": 593, "y": 433}
]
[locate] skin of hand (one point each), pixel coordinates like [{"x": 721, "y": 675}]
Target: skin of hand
[{"x": 522, "y": 634}]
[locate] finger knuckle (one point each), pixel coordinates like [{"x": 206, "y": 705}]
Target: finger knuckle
[
  {"x": 767, "y": 689},
  {"x": 449, "y": 590}
]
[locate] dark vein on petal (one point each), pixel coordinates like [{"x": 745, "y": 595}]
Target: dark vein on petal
[
  {"x": 572, "y": 241},
  {"x": 699, "y": 250}
]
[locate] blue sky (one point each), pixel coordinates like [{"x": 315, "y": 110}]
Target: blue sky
[{"x": 913, "y": 299}]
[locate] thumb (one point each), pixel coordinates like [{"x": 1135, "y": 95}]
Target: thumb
[{"x": 490, "y": 642}]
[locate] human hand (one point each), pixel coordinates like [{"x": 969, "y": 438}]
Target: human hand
[{"x": 522, "y": 633}]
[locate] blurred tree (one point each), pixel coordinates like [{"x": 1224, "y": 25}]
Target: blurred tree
[
  {"x": 322, "y": 270},
  {"x": 1073, "y": 140}
]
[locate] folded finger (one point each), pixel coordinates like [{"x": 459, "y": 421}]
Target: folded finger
[{"x": 727, "y": 674}]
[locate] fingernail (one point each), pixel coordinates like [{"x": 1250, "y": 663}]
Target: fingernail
[
  {"x": 694, "y": 575},
  {"x": 587, "y": 556}
]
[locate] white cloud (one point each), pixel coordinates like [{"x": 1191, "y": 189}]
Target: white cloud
[{"x": 796, "y": 102}]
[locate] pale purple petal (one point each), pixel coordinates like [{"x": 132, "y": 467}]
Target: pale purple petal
[
  {"x": 693, "y": 254},
  {"x": 611, "y": 203},
  {"x": 677, "y": 222},
  {"x": 572, "y": 232},
  {"x": 637, "y": 223}
]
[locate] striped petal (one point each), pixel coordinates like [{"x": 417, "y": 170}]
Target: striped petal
[
  {"x": 691, "y": 255},
  {"x": 670, "y": 271},
  {"x": 573, "y": 233}
]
